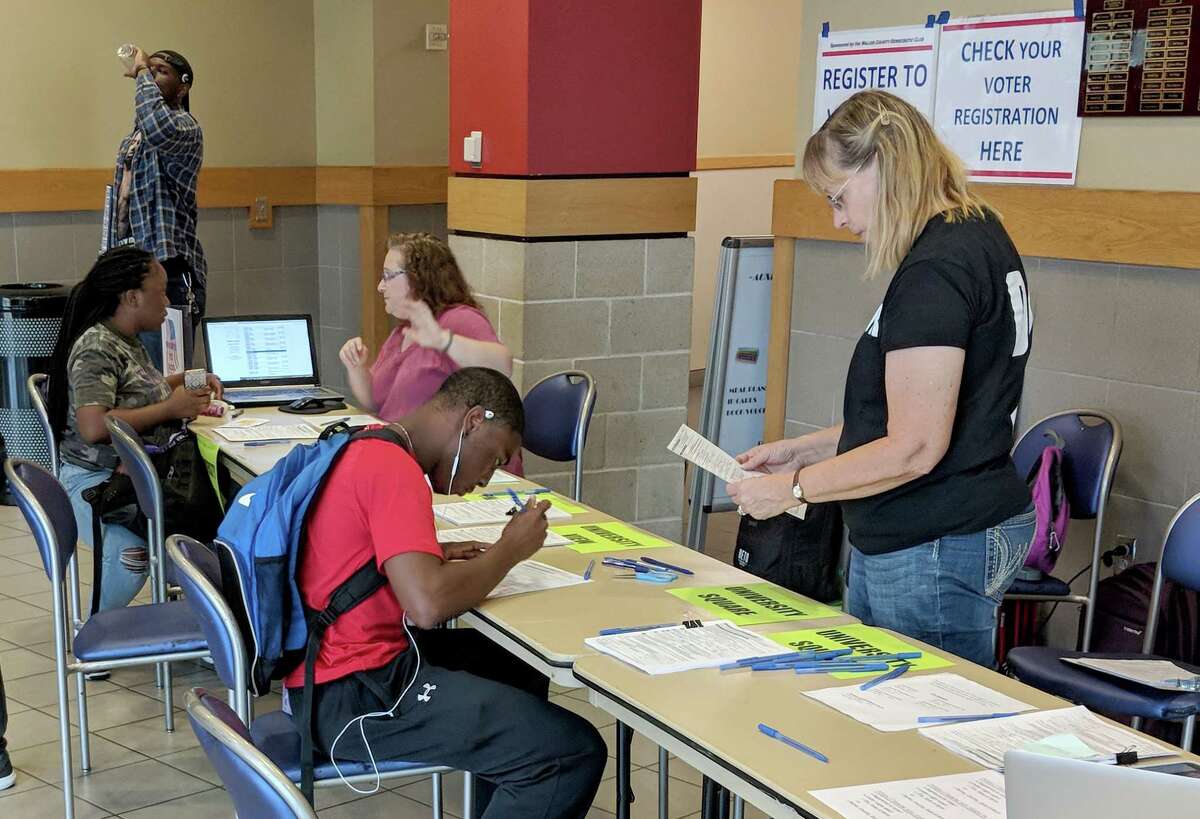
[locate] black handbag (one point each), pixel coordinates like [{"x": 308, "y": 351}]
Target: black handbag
[
  {"x": 801, "y": 555},
  {"x": 190, "y": 505}
]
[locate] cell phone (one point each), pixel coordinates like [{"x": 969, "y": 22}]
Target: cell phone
[
  {"x": 1188, "y": 769},
  {"x": 196, "y": 379}
]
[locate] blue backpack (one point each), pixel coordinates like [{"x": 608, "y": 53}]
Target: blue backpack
[{"x": 258, "y": 545}]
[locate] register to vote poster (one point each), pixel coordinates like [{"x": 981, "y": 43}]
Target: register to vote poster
[{"x": 901, "y": 61}]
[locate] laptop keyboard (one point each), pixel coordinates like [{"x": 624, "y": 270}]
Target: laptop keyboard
[{"x": 268, "y": 393}]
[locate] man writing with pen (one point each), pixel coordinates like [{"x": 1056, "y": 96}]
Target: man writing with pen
[{"x": 446, "y": 696}]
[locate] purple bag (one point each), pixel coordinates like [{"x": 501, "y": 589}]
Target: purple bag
[{"x": 1053, "y": 510}]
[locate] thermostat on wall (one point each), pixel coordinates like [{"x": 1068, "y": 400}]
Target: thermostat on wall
[{"x": 436, "y": 37}]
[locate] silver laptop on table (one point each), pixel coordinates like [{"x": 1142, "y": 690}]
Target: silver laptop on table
[
  {"x": 264, "y": 360},
  {"x": 1042, "y": 787}
]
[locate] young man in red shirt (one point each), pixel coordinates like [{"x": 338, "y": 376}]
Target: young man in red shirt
[{"x": 448, "y": 696}]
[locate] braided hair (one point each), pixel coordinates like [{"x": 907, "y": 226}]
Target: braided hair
[{"x": 93, "y": 300}]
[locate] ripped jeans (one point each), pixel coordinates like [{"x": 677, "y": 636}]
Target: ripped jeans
[
  {"x": 946, "y": 592},
  {"x": 126, "y": 562}
]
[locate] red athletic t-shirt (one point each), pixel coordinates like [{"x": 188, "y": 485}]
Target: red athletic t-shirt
[{"x": 375, "y": 504}]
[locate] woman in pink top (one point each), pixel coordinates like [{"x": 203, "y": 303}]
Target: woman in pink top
[{"x": 441, "y": 330}]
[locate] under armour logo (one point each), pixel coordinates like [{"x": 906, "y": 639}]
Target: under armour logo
[{"x": 426, "y": 696}]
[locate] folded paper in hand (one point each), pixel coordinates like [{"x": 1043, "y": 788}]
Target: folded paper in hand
[{"x": 696, "y": 449}]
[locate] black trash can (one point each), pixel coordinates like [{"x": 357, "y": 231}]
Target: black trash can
[{"x": 30, "y": 315}]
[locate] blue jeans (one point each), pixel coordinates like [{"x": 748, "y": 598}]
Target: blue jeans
[
  {"x": 946, "y": 592},
  {"x": 125, "y": 560}
]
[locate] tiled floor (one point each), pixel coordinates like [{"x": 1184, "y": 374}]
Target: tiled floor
[{"x": 141, "y": 772}]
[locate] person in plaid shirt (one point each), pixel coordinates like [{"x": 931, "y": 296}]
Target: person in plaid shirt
[{"x": 155, "y": 184}]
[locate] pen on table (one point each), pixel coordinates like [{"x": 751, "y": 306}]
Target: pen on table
[
  {"x": 663, "y": 565},
  {"x": 786, "y": 740},
  {"x": 604, "y": 632},
  {"x": 587, "y": 573},
  {"x": 266, "y": 442},
  {"x": 789, "y": 657},
  {"x": 891, "y": 675},
  {"x": 851, "y": 668},
  {"x": 511, "y": 493},
  {"x": 964, "y": 718}
]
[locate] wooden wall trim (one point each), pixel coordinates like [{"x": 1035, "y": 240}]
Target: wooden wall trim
[
  {"x": 372, "y": 247},
  {"x": 381, "y": 185},
  {"x": 571, "y": 207},
  {"x": 1119, "y": 227},
  {"x": 725, "y": 163},
  {"x": 50, "y": 190},
  {"x": 779, "y": 342}
]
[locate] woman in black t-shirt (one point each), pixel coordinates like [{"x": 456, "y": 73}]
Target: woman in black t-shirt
[{"x": 939, "y": 520}]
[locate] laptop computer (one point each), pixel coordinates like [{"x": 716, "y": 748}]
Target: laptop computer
[
  {"x": 264, "y": 360},
  {"x": 1036, "y": 787}
]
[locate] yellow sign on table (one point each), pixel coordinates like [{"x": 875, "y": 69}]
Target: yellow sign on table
[
  {"x": 556, "y": 501},
  {"x": 753, "y": 604},
  {"x": 865, "y": 640},
  {"x": 609, "y": 536}
]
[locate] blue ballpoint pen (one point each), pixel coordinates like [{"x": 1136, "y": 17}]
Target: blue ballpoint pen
[
  {"x": 786, "y": 740},
  {"x": 663, "y": 565},
  {"x": 963, "y": 718},
  {"x": 850, "y": 669},
  {"x": 878, "y": 658},
  {"x": 891, "y": 675},
  {"x": 790, "y": 657},
  {"x": 587, "y": 573},
  {"x": 268, "y": 443},
  {"x": 508, "y": 493},
  {"x": 604, "y": 632}
]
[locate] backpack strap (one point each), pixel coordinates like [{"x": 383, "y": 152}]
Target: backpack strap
[{"x": 361, "y": 585}]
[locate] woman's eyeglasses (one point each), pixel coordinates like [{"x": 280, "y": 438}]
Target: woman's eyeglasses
[
  {"x": 388, "y": 275},
  {"x": 835, "y": 199}
]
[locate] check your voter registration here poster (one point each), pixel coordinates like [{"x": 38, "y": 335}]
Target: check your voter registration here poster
[
  {"x": 1008, "y": 94},
  {"x": 901, "y": 61}
]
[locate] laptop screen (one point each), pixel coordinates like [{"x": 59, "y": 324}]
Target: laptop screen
[{"x": 261, "y": 350}]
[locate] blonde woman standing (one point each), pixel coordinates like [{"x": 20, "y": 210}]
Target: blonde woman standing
[{"x": 939, "y": 520}]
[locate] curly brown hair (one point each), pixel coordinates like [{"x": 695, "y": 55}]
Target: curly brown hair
[{"x": 433, "y": 273}]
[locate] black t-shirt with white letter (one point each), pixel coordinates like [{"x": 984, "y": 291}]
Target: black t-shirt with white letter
[{"x": 962, "y": 285}]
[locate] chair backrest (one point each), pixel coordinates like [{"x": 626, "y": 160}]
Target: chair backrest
[
  {"x": 36, "y": 385},
  {"x": 198, "y": 573},
  {"x": 558, "y": 410},
  {"x": 47, "y": 509},
  {"x": 255, "y": 784},
  {"x": 142, "y": 473},
  {"x": 1180, "y": 561},
  {"x": 1090, "y": 455}
]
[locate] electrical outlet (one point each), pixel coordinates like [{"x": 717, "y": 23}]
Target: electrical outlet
[
  {"x": 261, "y": 214},
  {"x": 436, "y": 37},
  {"x": 1129, "y": 542}
]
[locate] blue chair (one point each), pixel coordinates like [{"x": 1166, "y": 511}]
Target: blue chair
[
  {"x": 118, "y": 638},
  {"x": 1090, "y": 456},
  {"x": 257, "y": 787},
  {"x": 558, "y": 410},
  {"x": 148, "y": 489},
  {"x": 36, "y": 386},
  {"x": 274, "y": 734},
  {"x": 1042, "y": 667}
]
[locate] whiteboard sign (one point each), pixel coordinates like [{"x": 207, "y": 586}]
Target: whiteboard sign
[
  {"x": 1007, "y": 94},
  {"x": 901, "y": 61},
  {"x": 733, "y": 399}
]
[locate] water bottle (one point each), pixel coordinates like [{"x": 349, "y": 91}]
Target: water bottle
[{"x": 125, "y": 55}]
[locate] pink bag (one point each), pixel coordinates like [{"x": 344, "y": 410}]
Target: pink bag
[{"x": 1053, "y": 510}]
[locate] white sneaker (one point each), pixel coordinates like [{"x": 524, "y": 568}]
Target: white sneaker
[{"x": 7, "y": 775}]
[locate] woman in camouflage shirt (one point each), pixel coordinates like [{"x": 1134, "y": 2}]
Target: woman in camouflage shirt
[{"x": 100, "y": 368}]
